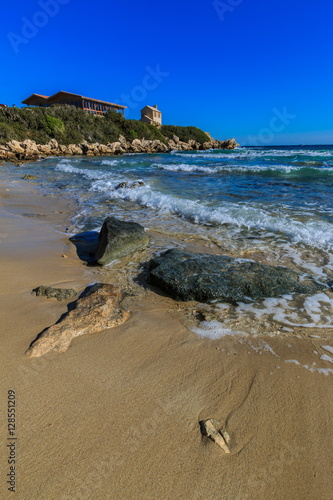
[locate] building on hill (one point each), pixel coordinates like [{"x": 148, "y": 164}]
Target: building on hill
[
  {"x": 95, "y": 106},
  {"x": 151, "y": 115}
]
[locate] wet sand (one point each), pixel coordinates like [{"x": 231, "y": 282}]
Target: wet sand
[{"x": 117, "y": 415}]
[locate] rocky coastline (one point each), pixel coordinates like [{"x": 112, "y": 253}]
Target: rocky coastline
[
  {"x": 184, "y": 276},
  {"x": 28, "y": 150}
]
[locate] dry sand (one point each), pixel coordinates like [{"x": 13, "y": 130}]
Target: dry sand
[{"x": 117, "y": 415}]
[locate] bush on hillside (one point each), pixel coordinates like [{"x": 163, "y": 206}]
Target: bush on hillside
[
  {"x": 71, "y": 125},
  {"x": 184, "y": 133}
]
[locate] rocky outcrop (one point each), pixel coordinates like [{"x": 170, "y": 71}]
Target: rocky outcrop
[
  {"x": 57, "y": 293},
  {"x": 214, "y": 144},
  {"x": 29, "y": 150},
  {"x": 119, "y": 238},
  {"x": 205, "y": 278},
  {"x": 97, "y": 309}
]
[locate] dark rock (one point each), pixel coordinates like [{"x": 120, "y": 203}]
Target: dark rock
[
  {"x": 130, "y": 185},
  {"x": 57, "y": 293},
  {"x": 202, "y": 277},
  {"x": 97, "y": 309},
  {"x": 29, "y": 177},
  {"x": 118, "y": 239}
]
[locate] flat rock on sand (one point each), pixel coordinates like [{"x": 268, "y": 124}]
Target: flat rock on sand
[
  {"x": 57, "y": 293},
  {"x": 203, "y": 277},
  {"x": 97, "y": 309}
]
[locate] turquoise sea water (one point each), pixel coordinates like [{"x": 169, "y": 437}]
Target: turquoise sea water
[{"x": 272, "y": 202}]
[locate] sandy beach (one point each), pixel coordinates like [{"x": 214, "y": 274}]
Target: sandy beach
[{"x": 117, "y": 415}]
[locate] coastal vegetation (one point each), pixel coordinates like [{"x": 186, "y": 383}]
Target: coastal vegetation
[{"x": 71, "y": 125}]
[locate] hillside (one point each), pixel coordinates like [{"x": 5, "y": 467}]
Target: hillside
[{"x": 70, "y": 125}]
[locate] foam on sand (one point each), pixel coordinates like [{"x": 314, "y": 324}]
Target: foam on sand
[
  {"x": 310, "y": 312},
  {"x": 214, "y": 330},
  {"x": 327, "y": 348},
  {"x": 312, "y": 368}
]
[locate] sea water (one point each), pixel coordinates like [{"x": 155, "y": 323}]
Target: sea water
[{"x": 270, "y": 204}]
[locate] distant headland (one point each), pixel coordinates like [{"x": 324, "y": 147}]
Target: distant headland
[{"x": 71, "y": 124}]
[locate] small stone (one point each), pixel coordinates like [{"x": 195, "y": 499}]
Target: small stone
[
  {"x": 209, "y": 428},
  {"x": 57, "y": 293},
  {"x": 64, "y": 256}
]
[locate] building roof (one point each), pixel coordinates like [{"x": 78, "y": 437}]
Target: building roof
[
  {"x": 50, "y": 99},
  {"x": 87, "y": 99},
  {"x": 32, "y": 96},
  {"x": 152, "y": 108}
]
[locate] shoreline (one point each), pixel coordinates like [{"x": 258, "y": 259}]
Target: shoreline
[{"x": 117, "y": 415}]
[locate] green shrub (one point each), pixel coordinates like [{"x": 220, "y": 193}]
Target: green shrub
[
  {"x": 184, "y": 133},
  {"x": 71, "y": 125},
  {"x": 54, "y": 126},
  {"x": 7, "y": 132}
]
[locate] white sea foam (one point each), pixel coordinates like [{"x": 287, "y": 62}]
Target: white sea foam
[
  {"x": 327, "y": 348},
  {"x": 185, "y": 167},
  {"x": 326, "y": 357},
  {"x": 314, "y": 232},
  {"x": 312, "y": 368},
  {"x": 218, "y": 167},
  {"x": 315, "y": 312},
  {"x": 66, "y": 166},
  {"x": 109, "y": 162},
  {"x": 249, "y": 153},
  {"x": 263, "y": 347},
  {"x": 214, "y": 330}
]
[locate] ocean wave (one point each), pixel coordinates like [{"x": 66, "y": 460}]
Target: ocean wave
[
  {"x": 186, "y": 167},
  {"x": 251, "y": 153},
  {"x": 110, "y": 162},
  {"x": 299, "y": 170},
  {"x": 314, "y": 232},
  {"x": 94, "y": 174}
]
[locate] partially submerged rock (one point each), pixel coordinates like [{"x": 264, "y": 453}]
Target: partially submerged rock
[
  {"x": 118, "y": 239},
  {"x": 210, "y": 428},
  {"x": 130, "y": 185},
  {"x": 57, "y": 293},
  {"x": 29, "y": 177},
  {"x": 202, "y": 277},
  {"x": 97, "y": 309}
]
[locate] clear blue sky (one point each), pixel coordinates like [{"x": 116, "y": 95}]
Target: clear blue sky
[{"x": 257, "y": 70}]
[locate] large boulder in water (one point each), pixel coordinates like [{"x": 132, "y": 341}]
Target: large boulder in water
[
  {"x": 119, "y": 238},
  {"x": 205, "y": 278}
]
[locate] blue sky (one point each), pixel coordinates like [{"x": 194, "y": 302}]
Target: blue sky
[{"x": 257, "y": 70}]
